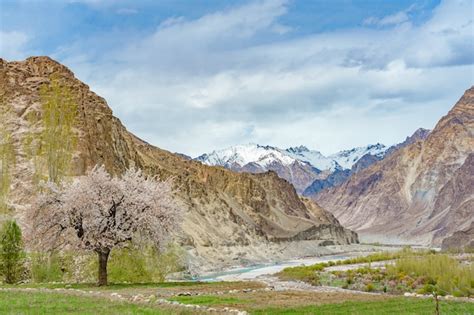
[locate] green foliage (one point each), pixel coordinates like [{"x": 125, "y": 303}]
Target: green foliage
[
  {"x": 11, "y": 252},
  {"x": 369, "y": 287},
  {"x": 7, "y": 158},
  {"x": 129, "y": 265},
  {"x": 399, "y": 306},
  {"x": 310, "y": 273},
  {"x": 45, "y": 267},
  {"x": 52, "y": 150},
  {"x": 442, "y": 273},
  {"x": 14, "y": 302},
  {"x": 209, "y": 300},
  {"x": 144, "y": 264},
  {"x": 133, "y": 264},
  {"x": 307, "y": 274}
]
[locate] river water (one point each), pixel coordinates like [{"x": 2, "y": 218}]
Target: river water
[{"x": 252, "y": 272}]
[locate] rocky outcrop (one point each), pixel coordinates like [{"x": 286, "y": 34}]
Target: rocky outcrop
[
  {"x": 339, "y": 175},
  {"x": 421, "y": 193},
  {"x": 460, "y": 240},
  {"x": 334, "y": 179},
  {"x": 419, "y": 135},
  {"x": 223, "y": 208}
]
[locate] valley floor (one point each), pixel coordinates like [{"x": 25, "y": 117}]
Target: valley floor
[
  {"x": 255, "y": 291},
  {"x": 203, "y": 298}
]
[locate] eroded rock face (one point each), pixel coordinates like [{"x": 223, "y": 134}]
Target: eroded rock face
[
  {"x": 460, "y": 239},
  {"x": 223, "y": 208},
  {"x": 420, "y": 193}
]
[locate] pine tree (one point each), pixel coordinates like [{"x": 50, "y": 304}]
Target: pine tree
[{"x": 11, "y": 251}]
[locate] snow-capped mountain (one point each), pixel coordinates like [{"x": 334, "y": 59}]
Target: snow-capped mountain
[
  {"x": 348, "y": 158},
  {"x": 315, "y": 158},
  {"x": 241, "y": 155},
  {"x": 254, "y": 158},
  {"x": 299, "y": 165}
]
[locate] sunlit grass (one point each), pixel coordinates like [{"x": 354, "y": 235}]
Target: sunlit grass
[
  {"x": 15, "y": 302},
  {"x": 445, "y": 275},
  {"x": 310, "y": 275},
  {"x": 399, "y": 306}
]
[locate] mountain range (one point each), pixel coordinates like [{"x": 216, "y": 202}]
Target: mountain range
[
  {"x": 231, "y": 218},
  {"x": 421, "y": 193},
  {"x": 418, "y": 191},
  {"x": 245, "y": 204},
  {"x": 308, "y": 170}
]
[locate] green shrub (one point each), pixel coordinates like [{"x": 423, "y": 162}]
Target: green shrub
[
  {"x": 441, "y": 272},
  {"x": 44, "y": 267},
  {"x": 11, "y": 252},
  {"x": 369, "y": 287},
  {"x": 301, "y": 273},
  {"x": 131, "y": 264},
  {"x": 146, "y": 264}
]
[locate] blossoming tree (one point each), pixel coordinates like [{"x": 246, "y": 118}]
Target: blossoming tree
[{"x": 98, "y": 212}]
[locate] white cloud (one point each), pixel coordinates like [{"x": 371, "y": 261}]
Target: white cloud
[
  {"x": 394, "y": 19},
  {"x": 12, "y": 45},
  {"x": 126, "y": 11},
  {"x": 231, "y": 77}
]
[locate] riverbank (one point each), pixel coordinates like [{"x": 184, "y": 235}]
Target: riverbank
[{"x": 270, "y": 266}]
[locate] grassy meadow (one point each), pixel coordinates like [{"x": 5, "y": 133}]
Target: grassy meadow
[{"x": 422, "y": 272}]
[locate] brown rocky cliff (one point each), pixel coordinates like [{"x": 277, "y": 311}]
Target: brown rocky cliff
[
  {"x": 420, "y": 193},
  {"x": 223, "y": 208}
]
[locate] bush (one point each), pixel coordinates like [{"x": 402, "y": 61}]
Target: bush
[
  {"x": 56, "y": 267},
  {"x": 439, "y": 271},
  {"x": 11, "y": 252},
  {"x": 130, "y": 264},
  {"x": 301, "y": 273},
  {"x": 369, "y": 287}
]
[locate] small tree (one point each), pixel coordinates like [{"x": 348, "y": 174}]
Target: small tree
[
  {"x": 99, "y": 212},
  {"x": 7, "y": 156},
  {"x": 11, "y": 251},
  {"x": 52, "y": 148}
]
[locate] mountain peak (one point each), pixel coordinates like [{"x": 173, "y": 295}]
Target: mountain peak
[
  {"x": 297, "y": 149},
  {"x": 420, "y": 134}
]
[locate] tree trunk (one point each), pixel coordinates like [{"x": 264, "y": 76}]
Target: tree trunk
[{"x": 103, "y": 258}]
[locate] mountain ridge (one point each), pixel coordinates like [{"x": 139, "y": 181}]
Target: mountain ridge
[
  {"x": 299, "y": 165},
  {"x": 225, "y": 211},
  {"x": 421, "y": 193}
]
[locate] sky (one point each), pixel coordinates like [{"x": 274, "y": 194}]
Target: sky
[{"x": 194, "y": 76}]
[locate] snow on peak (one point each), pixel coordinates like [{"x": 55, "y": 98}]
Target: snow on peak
[
  {"x": 313, "y": 157},
  {"x": 241, "y": 155},
  {"x": 347, "y": 158},
  {"x": 244, "y": 154},
  {"x": 298, "y": 149}
]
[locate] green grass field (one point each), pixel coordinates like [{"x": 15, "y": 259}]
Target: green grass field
[
  {"x": 14, "y": 302},
  {"x": 55, "y": 303},
  {"x": 211, "y": 300},
  {"x": 402, "y": 306}
]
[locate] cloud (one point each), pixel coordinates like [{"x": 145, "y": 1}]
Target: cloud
[
  {"x": 12, "y": 45},
  {"x": 126, "y": 11},
  {"x": 394, "y": 19},
  {"x": 240, "y": 75}
]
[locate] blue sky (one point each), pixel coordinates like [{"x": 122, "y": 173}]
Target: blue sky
[{"x": 192, "y": 76}]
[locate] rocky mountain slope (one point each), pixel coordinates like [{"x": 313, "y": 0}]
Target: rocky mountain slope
[
  {"x": 374, "y": 154},
  {"x": 230, "y": 217},
  {"x": 420, "y": 193},
  {"x": 298, "y": 165}
]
